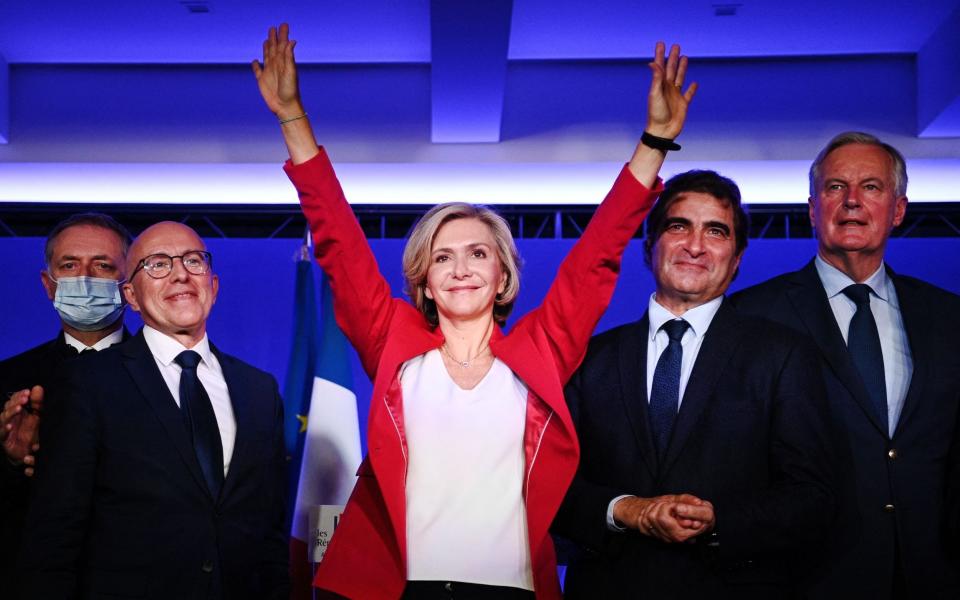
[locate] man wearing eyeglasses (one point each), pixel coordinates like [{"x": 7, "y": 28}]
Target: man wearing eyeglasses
[{"x": 165, "y": 473}]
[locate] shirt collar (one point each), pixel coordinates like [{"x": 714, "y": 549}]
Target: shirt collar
[
  {"x": 113, "y": 338},
  {"x": 164, "y": 348},
  {"x": 835, "y": 281},
  {"x": 699, "y": 318}
]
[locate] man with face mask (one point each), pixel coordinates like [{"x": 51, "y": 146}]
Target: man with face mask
[
  {"x": 85, "y": 263},
  {"x": 163, "y": 471}
]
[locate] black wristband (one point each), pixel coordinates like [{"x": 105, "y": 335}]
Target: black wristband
[{"x": 658, "y": 143}]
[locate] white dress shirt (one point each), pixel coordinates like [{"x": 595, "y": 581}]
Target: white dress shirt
[
  {"x": 699, "y": 319},
  {"x": 165, "y": 349},
  {"x": 897, "y": 360},
  {"x": 114, "y": 338}
]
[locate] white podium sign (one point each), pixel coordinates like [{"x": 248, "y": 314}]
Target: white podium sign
[{"x": 323, "y": 521}]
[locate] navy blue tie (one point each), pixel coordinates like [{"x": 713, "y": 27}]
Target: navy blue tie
[
  {"x": 863, "y": 342},
  {"x": 665, "y": 392},
  {"x": 201, "y": 421}
]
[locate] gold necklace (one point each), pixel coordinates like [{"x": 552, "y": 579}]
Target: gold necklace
[{"x": 464, "y": 364}]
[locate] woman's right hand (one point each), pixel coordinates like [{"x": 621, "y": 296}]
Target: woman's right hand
[
  {"x": 277, "y": 76},
  {"x": 277, "y": 80}
]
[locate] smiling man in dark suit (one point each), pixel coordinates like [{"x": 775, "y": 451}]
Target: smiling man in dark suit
[
  {"x": 704, "y": 466},
  {"x": 888, "y": 346},
  {"x": 164, "y": 472}
]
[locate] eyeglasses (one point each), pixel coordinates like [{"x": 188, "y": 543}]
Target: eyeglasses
[{"x": 158, "y": 266}]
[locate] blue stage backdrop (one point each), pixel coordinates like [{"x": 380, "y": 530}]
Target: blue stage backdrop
[{"x": 252, "y": 318}]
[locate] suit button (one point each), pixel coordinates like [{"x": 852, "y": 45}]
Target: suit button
[
  {"x": 888, "y": 508},
  {"x": 207, "y": 566},
  {"x": 892, "y": 453}
]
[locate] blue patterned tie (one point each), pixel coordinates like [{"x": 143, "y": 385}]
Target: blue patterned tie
[
  {"x": 665, "y": 392},
  {"x": 863, "y": 342},
  {"x": 201, "y": 421}
]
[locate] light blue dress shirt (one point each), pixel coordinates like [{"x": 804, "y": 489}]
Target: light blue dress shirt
[
  {"x": 897, "y": 360},
  {"x": 698, "y": 318}
]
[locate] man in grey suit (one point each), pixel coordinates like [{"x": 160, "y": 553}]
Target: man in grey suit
[{"x": 888, "y": 348}]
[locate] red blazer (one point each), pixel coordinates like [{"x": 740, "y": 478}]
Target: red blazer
[{"x": 367, "y": 556}]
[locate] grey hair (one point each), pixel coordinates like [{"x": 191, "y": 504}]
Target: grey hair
[
  {"x": 93, "y": 219},
  {"x": 858, "y": 137}
]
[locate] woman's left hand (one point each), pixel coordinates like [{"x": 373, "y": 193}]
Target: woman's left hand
[{"x": 667, "y": 103}]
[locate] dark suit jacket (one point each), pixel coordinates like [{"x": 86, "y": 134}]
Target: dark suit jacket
[
  {"x": 120, "y": 507},
  {"x": 36, "y": 366},
  {"x": 751, "y": 437},
  {"x": 893, "y": 489}
]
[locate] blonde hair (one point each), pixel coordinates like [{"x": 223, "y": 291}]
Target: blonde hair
[{"x": 416, "y": 256}]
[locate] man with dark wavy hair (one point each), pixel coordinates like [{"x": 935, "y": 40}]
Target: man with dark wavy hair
[{"x": 704, "y": 466}]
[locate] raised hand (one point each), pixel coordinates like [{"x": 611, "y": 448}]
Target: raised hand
[
  {"x": 20, "y": 427},
  {"x": 277, "y": 76},
  {"x": 277, "y": 80},
  {"x": 667, "y": 103}
]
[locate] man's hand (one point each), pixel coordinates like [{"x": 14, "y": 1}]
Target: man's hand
[
  {"x": 672, "y": 518},
  {"x": 20, "y": 427},
  {"x": 277, "y": 77},
  {"x": 667, "y": 103}
]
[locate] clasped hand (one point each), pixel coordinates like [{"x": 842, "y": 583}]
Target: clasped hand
[{"x": 671, "y": 518}]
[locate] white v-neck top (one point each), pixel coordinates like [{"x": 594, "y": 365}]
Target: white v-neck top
[{"x": 465, "y": 509}]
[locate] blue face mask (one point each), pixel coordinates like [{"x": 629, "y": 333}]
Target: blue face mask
[{"x": 88, "y": 303}]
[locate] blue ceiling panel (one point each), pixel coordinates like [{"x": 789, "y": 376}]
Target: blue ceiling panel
[
  {"x": 938, "y": 81},
  {"x": 468, "y": 70}
]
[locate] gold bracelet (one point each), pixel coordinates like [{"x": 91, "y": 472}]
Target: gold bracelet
[{"x": 284, "y": 121}]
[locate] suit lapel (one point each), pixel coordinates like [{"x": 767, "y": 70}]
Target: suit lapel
[
  {"x": 810, "y": 302},
  {"x": 916, "y": 321},
  {"x": 632, "y": 358},
  {"x": 140, "y": 364},
  {"x": 241, "y": 400},
  {"x": 719, "y": 344}
]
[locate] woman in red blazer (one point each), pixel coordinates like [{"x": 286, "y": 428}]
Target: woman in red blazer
[{"x": 462, "y": 275}]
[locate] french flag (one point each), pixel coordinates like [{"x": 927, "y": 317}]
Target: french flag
[{"x": 322, "y": 429}]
